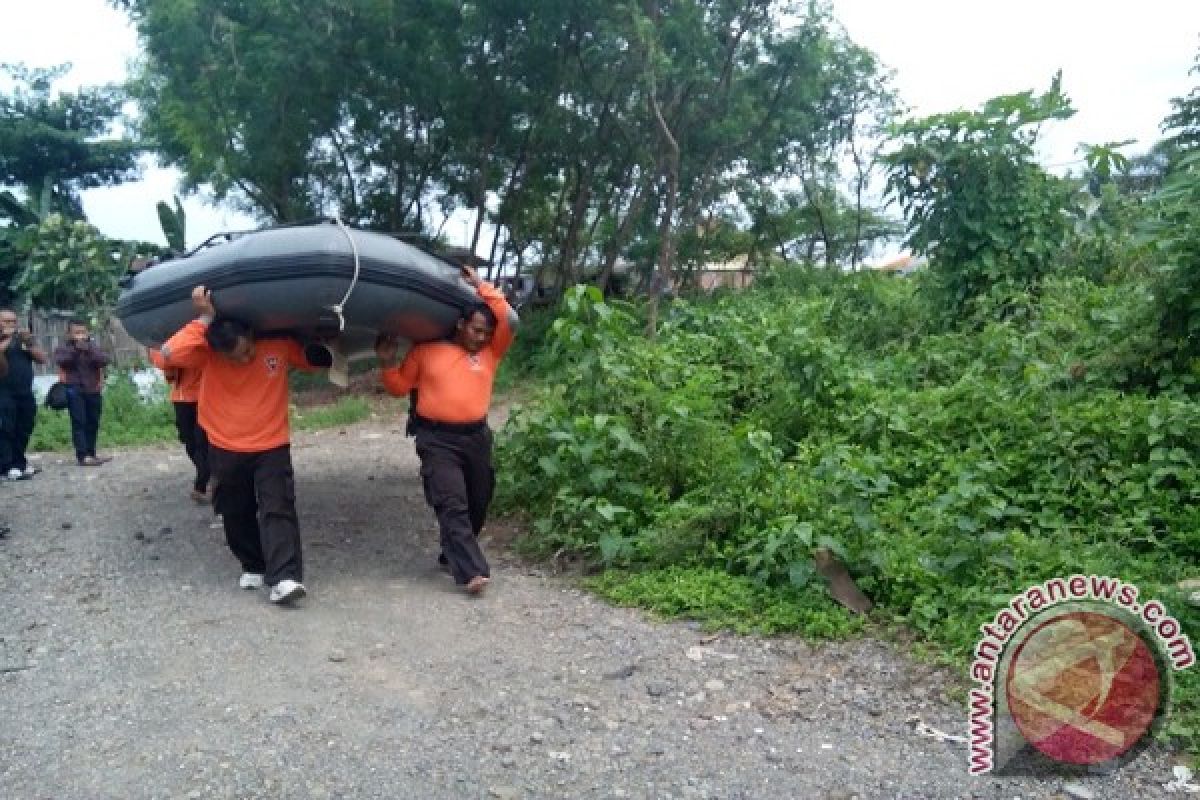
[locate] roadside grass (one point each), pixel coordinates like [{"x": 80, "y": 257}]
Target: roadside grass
[
  {"x": 129, "y": 420},
  {"x": 344, "y": 411},
  {"x": 720, "y": 601},
  {"x": 126, "y": 421}
]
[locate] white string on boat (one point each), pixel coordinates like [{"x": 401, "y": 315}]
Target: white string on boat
[{"x": 337, "y": 309}]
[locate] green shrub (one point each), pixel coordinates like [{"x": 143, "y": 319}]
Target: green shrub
[
  {"x": 126, "y": 420},
  {"x": 976, "y": 201},
  {"x": 949, "y": 470},
  {"x": 720, "y": 600}
]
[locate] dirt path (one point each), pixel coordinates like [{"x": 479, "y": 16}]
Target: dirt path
[{"x": 132, "y": 667}]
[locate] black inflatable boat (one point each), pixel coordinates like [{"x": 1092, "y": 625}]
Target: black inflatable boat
[{"x": 323, "y": 282}]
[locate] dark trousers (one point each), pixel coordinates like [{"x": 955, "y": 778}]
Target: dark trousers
[
  {"x": 456, "y": 471},
  {"x": 194, "y": 441},
  {"x": 256, "y": 498},
  {"x": 85, "y": 409},
  {"x": 18, "y": 413}
]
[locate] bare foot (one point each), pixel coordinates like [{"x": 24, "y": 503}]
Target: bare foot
[{"x": 477, "y": 584}]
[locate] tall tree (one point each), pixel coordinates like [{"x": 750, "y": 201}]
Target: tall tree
[
  {"x": 1183, "y": 124},
  {"x": 55, "y": 144},
  {"x": 545, "y": 119},
  {"x": 976, "y": 200},
  {"x": 245, "y": 97}
]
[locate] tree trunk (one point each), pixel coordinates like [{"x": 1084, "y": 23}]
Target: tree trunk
[
  {"x": 509, "y": 188},
  {"x": 813, "y": 192},
  {"x": 491, "y": 262},
  {"x": 859, "y": 184},
  {"x": 481, "y": 190},
  {"x": 613, "y": 251},
  {"x": 669, "y": 168},
  {"x": 662, "y": 276},
  {"x": 558, "y": 217},
  {"x": 348, "y": 174},
  {"x": 583, "y": 193}
]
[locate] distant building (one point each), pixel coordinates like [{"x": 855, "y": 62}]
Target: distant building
[
  {"x": 732, "y": 274},
  {"x": 905, "y": 264}
]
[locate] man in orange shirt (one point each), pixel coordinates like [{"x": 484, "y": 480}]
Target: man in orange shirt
[
  {"x": 243, "y": 408},
  {"x": 185, "y": 394},
  {"x": 453, "y": 379}
]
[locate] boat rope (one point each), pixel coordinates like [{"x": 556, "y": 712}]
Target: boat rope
[{"x": 337, "y": 309}]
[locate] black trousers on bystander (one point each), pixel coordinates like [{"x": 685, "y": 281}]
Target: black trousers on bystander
[
  {"x": 18, "y": 414},
  {"x": 84, "y": 409}
]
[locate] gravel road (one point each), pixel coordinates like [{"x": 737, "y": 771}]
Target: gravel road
[{"x": 131, "y": 666}]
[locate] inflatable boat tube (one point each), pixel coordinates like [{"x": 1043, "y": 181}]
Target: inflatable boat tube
[{"x": 324, "y": 283}]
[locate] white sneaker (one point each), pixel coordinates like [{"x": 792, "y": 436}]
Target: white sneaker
[
  {"x": 15, "y": 474},
  {"x": 250, "y": 580},
  {"x": 287, "y": 591},
  {"x": 31, "y": 470}
]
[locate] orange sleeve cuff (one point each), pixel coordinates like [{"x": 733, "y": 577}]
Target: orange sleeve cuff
[
  {"x": 496, "y": 301},
  {"x": 188, "y": 348}
]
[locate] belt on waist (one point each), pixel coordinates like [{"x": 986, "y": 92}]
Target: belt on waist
[{"x": 449, "y": 427}]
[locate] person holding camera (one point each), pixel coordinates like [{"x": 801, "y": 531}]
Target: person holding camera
[
  {"x": 18, "y": 409},
  {"x": 81, "y": 364}
]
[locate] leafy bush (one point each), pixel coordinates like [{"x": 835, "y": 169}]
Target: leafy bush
[
  {"x": 523, "y": 356},
  {"x": 71, "y": 264},
  {"x": 949, "y": 470},
  {"x": 976, "y": 200},
  {"x": 721, "y": 600},
  {"x": 126, "y": 420},
  {"x": 1175, "y": 227}
]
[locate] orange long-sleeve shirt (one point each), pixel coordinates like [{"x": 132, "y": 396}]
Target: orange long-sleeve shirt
[
  {"x": 185, "y": 383},
  {"x": 454, "y": 385},
  {"x": 242, "y": 407}
]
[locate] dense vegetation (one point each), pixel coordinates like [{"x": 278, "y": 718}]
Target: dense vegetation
[
  {"x": 1024, "y": 408},
  {"x": 949, "y": 469}
]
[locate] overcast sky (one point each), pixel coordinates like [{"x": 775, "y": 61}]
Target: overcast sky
[{"x": 1121, "y": 62}]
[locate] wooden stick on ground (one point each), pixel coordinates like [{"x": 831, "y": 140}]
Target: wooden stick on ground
[{"x": 841, "y": 586}]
